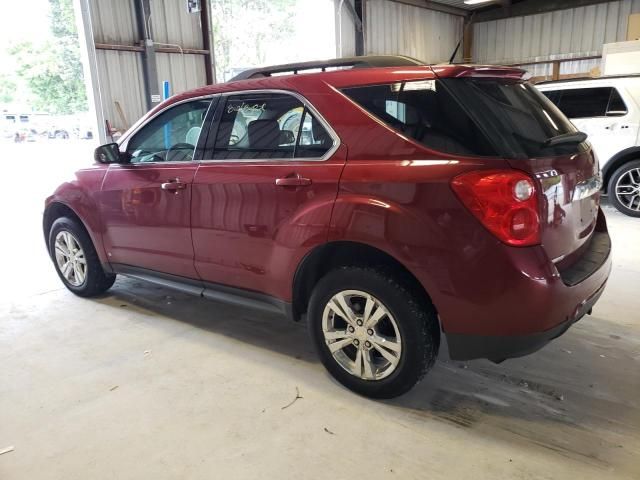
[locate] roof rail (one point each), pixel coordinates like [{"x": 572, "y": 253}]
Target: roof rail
[{"x": 368, "y": 61}]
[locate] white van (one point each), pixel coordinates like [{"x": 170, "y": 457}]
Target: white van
[{"x": 608, "y": 110}]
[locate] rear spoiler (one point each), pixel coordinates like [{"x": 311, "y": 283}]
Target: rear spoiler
[{"x": 480, "y": 71}]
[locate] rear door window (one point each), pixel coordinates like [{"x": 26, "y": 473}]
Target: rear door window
[
  {"x": 269, "y": 126},
  {"x": 588, "y": 102}
]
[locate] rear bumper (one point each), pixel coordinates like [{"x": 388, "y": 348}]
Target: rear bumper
[
  {"x": 499, "y": 348},
  {"x": 541, "y": 307}
]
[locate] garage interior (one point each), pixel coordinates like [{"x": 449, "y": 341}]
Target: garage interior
[{"x": 147, "y": 382}]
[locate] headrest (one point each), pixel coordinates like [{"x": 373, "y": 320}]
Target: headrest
[
  {"x": 264, "y": 134},
  {"x": 192, "y": 136}
]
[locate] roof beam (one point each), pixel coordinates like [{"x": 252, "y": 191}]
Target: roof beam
[
  {"x": 531, "y": 7},
  {"x": 438, "y": 7}
]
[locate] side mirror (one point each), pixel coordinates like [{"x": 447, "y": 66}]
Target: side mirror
[{"x": 109, "y": 153}]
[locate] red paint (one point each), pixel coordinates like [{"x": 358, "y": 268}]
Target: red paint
[
  {"x": 144, "y": 225},
  {"x": 249, "y": 232},
  {"x": 233, "y": 225}
]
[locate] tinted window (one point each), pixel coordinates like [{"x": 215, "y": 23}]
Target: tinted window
[
  {"x": 585, "y": 102},
  {"x": 425, "y": 111},
  {"x": 616, "y": 106},
  {"x": 269, "y": 126},
  {"x": 553, "y": 95},
  {"x": 171, "y": 136},
  {"x": 313, "y": 139},
  {"x": 588, "y": 102},
  {"x": 517, "y": 118}
]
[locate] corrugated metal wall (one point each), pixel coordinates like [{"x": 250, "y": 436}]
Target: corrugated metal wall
[
  {"x": 570, "y": 33},
  {"x": 345, "y": 30},
  {"x": 396, "y": 28},
  {"x": 120, "y": 73}
]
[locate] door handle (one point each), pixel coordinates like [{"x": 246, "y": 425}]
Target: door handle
[
  {"x": 293, "y": 181},
  {"x": 173, "y": 185}
]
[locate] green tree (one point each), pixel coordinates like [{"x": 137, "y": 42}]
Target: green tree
[
  {"x": 7, "y": 88},
  {"x": 244, "y": 29},
  {"x": 53, "y": 70}
]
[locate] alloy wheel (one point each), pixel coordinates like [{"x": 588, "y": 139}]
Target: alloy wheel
[
  {"x": 362, "y": 335},
  {"x": 70, "y": 258},
  {"x": 628, "y": 189}
]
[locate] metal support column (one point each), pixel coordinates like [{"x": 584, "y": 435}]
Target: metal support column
[
  {"x": 149, "y": 65},
  {"x": 207, "y": 43},
  {"x": 359, "y": 8},
  {"x": 90, "y": 69},
  {"x": 356, "y": 13}
]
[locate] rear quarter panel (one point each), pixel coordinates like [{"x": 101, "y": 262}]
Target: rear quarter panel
[{"x": 395, "y": 195}]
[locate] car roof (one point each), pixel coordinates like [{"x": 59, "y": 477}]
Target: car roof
[{"x": 345, "y": 72}]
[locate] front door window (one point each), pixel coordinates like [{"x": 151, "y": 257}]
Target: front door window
[{"x": 172, "y": 136}]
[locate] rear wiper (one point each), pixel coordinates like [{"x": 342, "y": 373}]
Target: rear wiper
[{"x": 571, "y": 137}]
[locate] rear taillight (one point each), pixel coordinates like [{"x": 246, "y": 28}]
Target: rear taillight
[{"x": 505, "y": 201}]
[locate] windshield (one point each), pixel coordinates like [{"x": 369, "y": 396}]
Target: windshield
[{"x": 518, "y": 119}]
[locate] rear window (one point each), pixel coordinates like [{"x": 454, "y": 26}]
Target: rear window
[
  {"x": 482, "y": 117},
  {"x": 426, "y": 112},
  {"x": 588, "y": 102}
]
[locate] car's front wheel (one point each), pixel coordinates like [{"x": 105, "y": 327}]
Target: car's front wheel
[
  {"x": 624, "y": 188},
  {"x": 371, "y": 333},
  {"x": 76, "y": 260}
]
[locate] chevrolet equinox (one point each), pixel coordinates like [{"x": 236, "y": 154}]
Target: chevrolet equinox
[{"x": 384, "y": 201}]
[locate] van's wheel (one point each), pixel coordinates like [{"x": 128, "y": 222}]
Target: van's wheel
[
  {"x": 76, "y": 260},
  {"x": 624, "y": 188},
  {"x": 371, "y": 333}
]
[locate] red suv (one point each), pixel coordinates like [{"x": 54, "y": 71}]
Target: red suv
[{"x": 383, "y": 200}]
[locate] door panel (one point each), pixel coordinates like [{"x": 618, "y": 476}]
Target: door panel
[
  {"x": 263, "y": 198},
  {"x": 145, "y": 224},
  {"x": 251, "y": 233}
]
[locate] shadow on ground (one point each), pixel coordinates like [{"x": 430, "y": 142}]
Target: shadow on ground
[{"x": 576, "y": 397}]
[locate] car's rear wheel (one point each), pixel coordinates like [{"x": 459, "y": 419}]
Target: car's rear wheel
[
  {"x": 624, "y": 188},
  {"x": 371, "y": 333},
  {"x": 76, "y": 260}
]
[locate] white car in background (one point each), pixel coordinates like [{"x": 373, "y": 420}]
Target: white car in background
[{"x": 607, "y": 109}]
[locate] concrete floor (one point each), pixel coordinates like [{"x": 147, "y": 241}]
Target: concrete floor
[{"x": 148, "y": 383}]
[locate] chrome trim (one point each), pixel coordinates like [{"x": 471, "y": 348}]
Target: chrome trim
[
  {"x": 332, "y": 133},
  {"x": 587, "y": 188},
  {"x": 176, "y": 163}
]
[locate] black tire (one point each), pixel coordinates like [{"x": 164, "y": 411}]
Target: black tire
[
  {"x": 96, "y": 280},
  {"x": 414, "y": 316},
  {"x": 613, "y": 195}
]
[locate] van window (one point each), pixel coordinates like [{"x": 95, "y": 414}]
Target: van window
[
  {"x": 588, "y": 102},
  {"x": 616, "y": 107}
]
